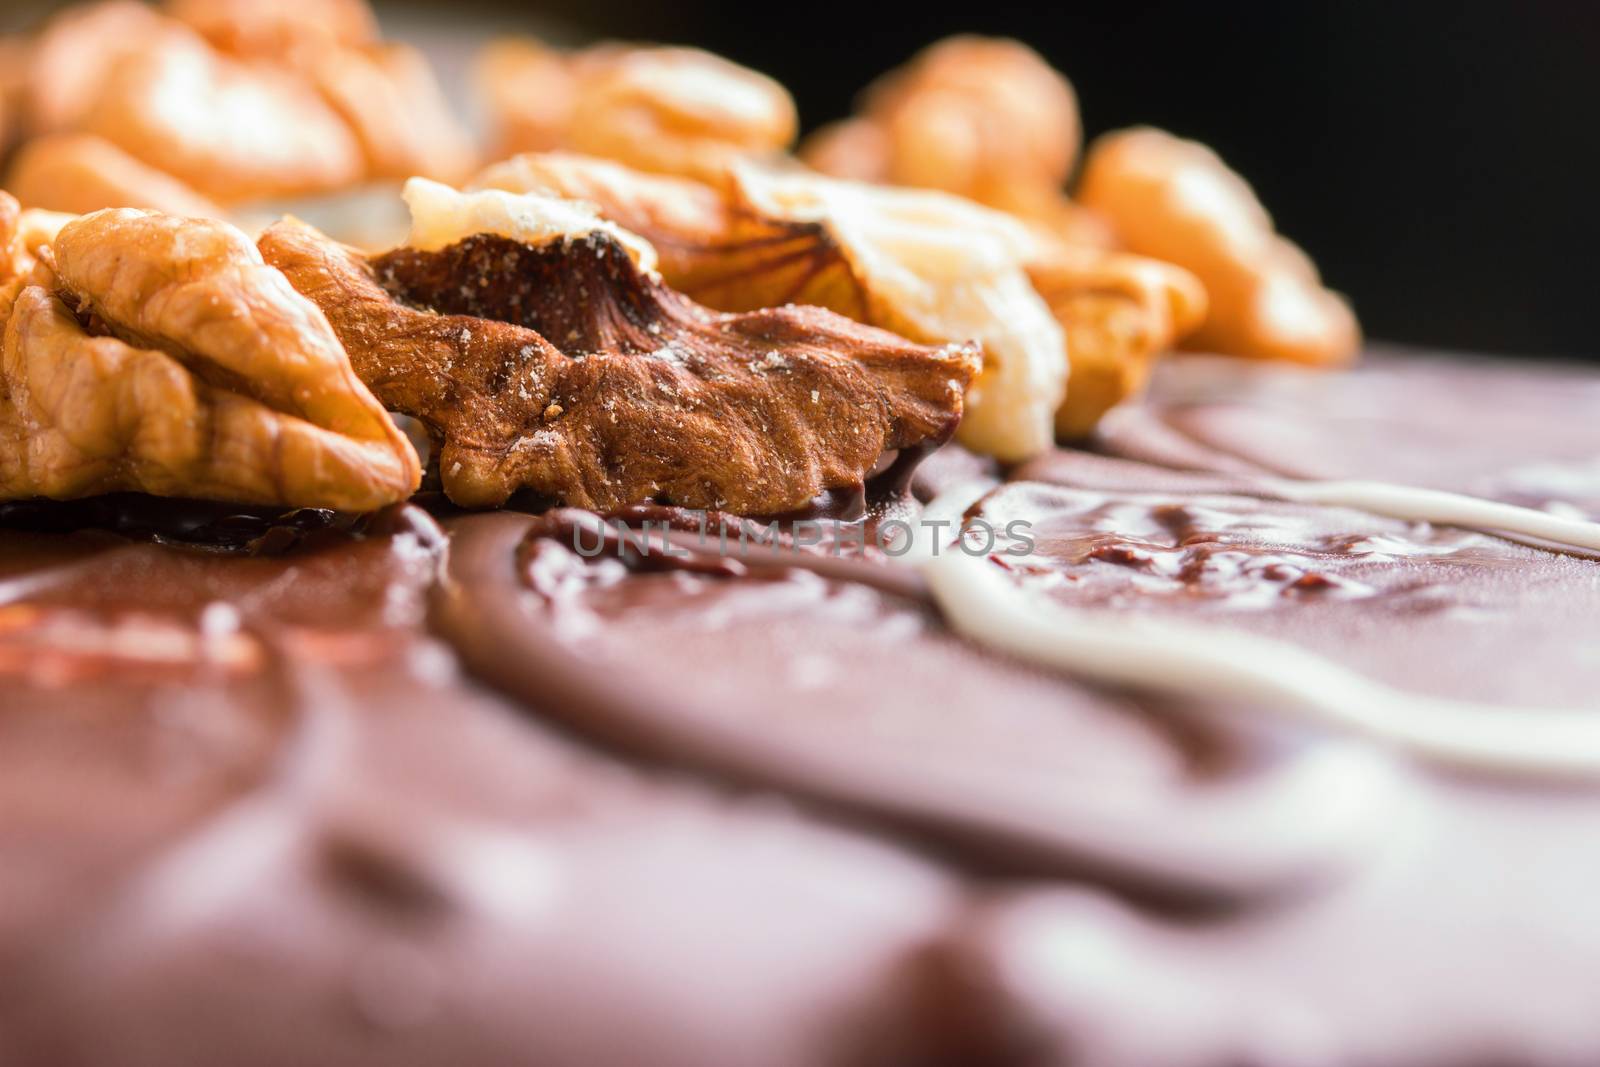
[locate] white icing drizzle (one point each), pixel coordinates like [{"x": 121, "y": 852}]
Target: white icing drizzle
[
  {"x": 1211, "y": 662},
  {"x": 1437, "y": 506},
  {"x": 981, "y": 603}
]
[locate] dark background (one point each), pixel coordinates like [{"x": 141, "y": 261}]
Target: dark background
[{"x": 1441, "y": 161}]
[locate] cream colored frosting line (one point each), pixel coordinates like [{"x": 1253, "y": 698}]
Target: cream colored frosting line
[
  {"x": 980, "y": 602},
  {"x": 1212, "y": 662},
  {"x": 1436, "y": 506}
]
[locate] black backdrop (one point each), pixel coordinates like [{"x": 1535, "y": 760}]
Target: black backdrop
[{"x": 1439, "y": 160}]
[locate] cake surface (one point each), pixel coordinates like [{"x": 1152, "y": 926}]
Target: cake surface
[
  {"x": 925, "y": 590},
  {"x": 445, "y": 789}
]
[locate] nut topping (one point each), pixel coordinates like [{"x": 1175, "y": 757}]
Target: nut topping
[
  {"x": 928, "y": 266},
  {"x": 387, "y": 95},
  {"x": 161, "y": 355},
  {"x": 81, "y": 173},
  {"x": 706, "y": 243},
  {"x": 987, "y": 119},
  {"x": 557, "y": 365},
  {"x": 230, "y": 130},
  {"x": 22, "y": 235},
  {"x": 1119, "y": 312},
  {"x": 984, "y": 118},
  {"x": 1177, "y": 201},
  {"x": 665, "y": 110}
]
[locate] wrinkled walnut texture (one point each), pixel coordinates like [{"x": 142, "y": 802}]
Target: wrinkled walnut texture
[
  {"x": 161, "y": 355},
  {"x": 564, "y": 370},
  {"x": 925, "y": 265}
]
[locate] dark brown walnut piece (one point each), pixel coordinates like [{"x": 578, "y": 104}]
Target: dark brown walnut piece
[{"x": 564, "y": 369}]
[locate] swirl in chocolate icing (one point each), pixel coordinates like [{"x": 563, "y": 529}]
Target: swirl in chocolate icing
[{"x": 591, "y": 645}]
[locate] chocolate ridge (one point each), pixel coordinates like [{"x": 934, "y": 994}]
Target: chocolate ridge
[{"x": 1235, "y": 841}]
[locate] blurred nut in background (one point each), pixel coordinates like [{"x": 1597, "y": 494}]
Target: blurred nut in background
[
  {"x": 276, "y": 30},
  {"x": 1177, "y": 201},
  {"x": 387, "y": 95},
  {"x": 665, "y": 110},
  {"x": 1119, "y": 312},
  {"x": 987, "y": 119},
  {"x": 983, "y": 118},
  {"x": 232, "y": 131},
  {"x": 228, "y": 101},
  {"x": 79, "y": 172},
  {"x": 73, "y": 55}
]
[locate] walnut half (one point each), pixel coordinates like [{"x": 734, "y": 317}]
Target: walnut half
[
  {"x": 984, "y": 118},
  {"x": 1177, "y": 201},
  {"x": 1119, "y": 312},
  {"x": 664, "y": 110},
  {"x": 546, "y": 359},
  {"x": 160, "y": 354},
  {"x": 926, "y": 265}
]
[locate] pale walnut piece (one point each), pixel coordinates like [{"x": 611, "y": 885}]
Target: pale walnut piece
[
  {"x": 81, "y": 173},
  {"x": 166, "y": 357},
  {"x": 387, "y": 95},
  {"x": 1177, "y": 201},
  {"x": 277, "y": 30},
  {"x": 928, "y": 266},
  {"x": 676, "y": 111},
  {"x": 71, "y": 57},
  {"x": 564, "y": 369},
  {"x": 23, "y": 233},
  {"x": 230, "y": 130},
  {"x": 528, "y": 90},
  {"x": 984, "y": 118},
  {"x": 1119, "y": 312},
  {"x": 707, "y": 243},
  {"x": 14, "y": 50}
]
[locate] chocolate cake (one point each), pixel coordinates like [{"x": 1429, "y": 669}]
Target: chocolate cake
[
  {"x": 711, "y": 599},
  {"x": 463, "y": 789}
]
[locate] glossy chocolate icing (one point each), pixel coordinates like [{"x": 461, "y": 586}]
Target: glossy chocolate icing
[
  {"x": 408, "y": 795},
  {"x": 1521, "y": 432},
  {"x": 304, "y": 837}
]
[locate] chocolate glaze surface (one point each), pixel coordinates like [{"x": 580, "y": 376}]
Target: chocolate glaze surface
[
  {"x": 402, "y": 794},
  {"x": 1023, "y": 772},
  {"x": 252, "y": 814},
  {"x": 1521, "y": 432},
  {"x": 1429, "y": 609}
]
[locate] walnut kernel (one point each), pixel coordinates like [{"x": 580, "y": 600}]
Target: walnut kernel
[
  {"x": 161, "y": 355},
  {"x": 1177, "y": 201}
]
